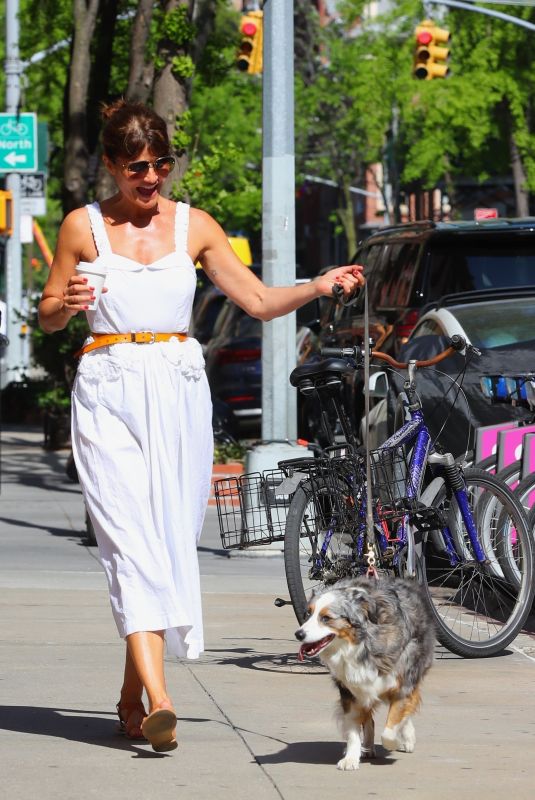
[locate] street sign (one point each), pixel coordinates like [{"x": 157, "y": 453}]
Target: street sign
[
  {"x": 18, "y": 142},
  {"x": 485, "y": 213},
  {"x": 33, "y": 194}
]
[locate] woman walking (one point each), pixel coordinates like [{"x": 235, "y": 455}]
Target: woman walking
[{"x": 141, "y": 408}]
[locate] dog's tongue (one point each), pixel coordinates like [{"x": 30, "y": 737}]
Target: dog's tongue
[{"x": 313, "y": 649}]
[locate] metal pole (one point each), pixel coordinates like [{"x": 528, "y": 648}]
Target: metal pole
[
  {"x": 279, "y": 402},
  {"x": 13, "y": 69}
]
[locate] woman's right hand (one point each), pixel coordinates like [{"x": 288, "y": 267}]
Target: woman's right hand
[{"x": 78, "y": 294}]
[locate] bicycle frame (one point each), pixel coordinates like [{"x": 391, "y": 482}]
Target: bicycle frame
[{"x": 415, "y": 434}]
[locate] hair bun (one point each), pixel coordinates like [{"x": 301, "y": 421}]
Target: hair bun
[{"x": 107, "y": 110}]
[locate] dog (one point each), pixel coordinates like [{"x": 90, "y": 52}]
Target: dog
[{"x": 376, "y": 637}]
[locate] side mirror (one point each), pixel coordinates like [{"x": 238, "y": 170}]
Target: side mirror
[{"x": 378, "y": 385}]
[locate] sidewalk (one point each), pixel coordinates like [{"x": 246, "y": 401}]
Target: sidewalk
[{"x": 253, "y": 721}]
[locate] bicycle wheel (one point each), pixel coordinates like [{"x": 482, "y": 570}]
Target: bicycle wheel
[
  {"x": 525, "y": 493},
  {"x": 477, "y": 611},
  {"x": 319, "y": 543}
]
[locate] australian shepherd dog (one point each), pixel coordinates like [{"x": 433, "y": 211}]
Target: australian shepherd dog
[{"x": 376, "y": 636}]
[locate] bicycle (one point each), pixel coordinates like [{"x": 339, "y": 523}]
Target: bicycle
[{"x": 461, "y": 533}]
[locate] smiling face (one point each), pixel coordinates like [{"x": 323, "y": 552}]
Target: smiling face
[{"x": 143, "y": 188}]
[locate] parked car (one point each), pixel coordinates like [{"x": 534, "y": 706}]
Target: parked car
[
  {"x": 233, "y": 357},
  {"x": 501, "y": 324},
  {"x": 407, "y": 267}
]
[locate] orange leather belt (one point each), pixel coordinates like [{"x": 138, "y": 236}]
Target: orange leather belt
[{"x": 136, "y": 337}]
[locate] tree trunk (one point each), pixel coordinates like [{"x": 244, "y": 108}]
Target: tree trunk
[
  {"x": 141, "y": 73},
  {"x": 76, "y": 150},
  {"x": 519, "y": 178},
  {"x": 347, "y": 218},
  {"x": 171, "y": 92},
  {"x": 104, "y": 185}
]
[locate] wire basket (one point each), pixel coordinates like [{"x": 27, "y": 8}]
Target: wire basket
[
  {"x": 393, "y": 489},
  {"x": 252, "y": 508}
]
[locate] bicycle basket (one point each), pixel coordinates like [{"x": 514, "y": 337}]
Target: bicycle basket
[
  {"x": 252, "y": 508},
  {"x": 394, "y": 492}
]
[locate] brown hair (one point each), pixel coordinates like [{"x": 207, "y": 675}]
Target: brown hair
[{"x": 130, "y": 127}]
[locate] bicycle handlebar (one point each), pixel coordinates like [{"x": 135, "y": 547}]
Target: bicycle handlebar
[{"x": 457, "y": 343}]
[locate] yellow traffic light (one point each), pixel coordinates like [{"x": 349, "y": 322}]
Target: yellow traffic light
[
  {"x": 429, "y": 56},
  {"x": 6, "y": 213},
  {"x": 249, "y": 58}
]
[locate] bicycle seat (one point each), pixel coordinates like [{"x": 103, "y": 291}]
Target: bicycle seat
[{"x": 328, "y": 370}]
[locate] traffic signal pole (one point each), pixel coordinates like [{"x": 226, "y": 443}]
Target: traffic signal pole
[
  {"x": 279, "y": 402},
  {"x": 14, "y": 362}
]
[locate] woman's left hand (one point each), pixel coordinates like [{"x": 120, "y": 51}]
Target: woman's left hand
[{"x": 350, "y": 278}]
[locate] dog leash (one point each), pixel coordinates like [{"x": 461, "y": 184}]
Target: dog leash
[{"x": 370, "y": 536}]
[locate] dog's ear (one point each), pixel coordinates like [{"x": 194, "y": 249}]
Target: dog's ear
[{"x": 363, "y": 602}]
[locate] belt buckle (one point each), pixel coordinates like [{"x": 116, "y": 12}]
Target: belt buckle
[{"x": 139, "y": 341}]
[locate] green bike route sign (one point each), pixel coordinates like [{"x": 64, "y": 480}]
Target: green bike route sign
[{"x": 18, "y": 142}]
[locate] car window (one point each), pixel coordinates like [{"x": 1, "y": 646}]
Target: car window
[
  {"x": 499, "y": 323},
  {"x": 206, "y": 317},
  {"x": 396, "y": 275},
  {"x": 468, "y": 264},
  {"x": 429, "y": 327}
]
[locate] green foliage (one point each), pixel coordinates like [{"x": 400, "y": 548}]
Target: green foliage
[
  {"x": 176, "y": 26},
  {"x": 221, "y": 132},
  {"x": 182, "y": 66},
  {"x": 55, "y": 351},
  {"x": 55, "y": 400},
  {"x": 227, "y": 452}
]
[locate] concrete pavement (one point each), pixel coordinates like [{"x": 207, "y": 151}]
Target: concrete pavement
[{"x": 253, "y": 721}]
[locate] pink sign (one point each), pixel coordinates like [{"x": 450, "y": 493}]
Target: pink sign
[
  {"x": 485, "y": 213},
  {"x": 528, "y": 464},
  {"x": 487, "y": 439},
  {"x": 510, "y": 445}
]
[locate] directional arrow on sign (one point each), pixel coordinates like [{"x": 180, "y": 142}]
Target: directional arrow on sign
[{"x": 13, "y": 159}]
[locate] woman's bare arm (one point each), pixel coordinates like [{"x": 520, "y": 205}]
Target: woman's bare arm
[
  {"x": 65, "y": 294},
  {"x": 210, "y": 244}
]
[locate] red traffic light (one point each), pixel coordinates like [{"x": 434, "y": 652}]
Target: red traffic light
[
  {"x": 249, "y": 28},
  {"x": 424, "y": 37}
]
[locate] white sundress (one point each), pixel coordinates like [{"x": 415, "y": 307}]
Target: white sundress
[{"x": 142, "y": 442}]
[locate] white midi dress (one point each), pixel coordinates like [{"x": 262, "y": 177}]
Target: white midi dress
[{"x": 142, "y": 442}]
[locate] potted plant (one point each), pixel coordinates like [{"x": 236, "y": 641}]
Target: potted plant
[{"x": 56, "y": 406}]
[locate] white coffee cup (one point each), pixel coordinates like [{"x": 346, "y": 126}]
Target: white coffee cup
[{"x": 96, "y": 275}]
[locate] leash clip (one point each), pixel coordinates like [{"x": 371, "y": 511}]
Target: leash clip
[{"x": 370, "y": 558}]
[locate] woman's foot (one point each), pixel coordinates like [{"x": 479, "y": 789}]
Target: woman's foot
[
  {"x": 160, "y": 727},
  {"x": 131, "y": 715}
]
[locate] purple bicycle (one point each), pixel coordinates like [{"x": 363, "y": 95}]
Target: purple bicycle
[{"x": 411, "y": 511}]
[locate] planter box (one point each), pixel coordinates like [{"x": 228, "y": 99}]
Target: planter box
[{"x": 231, "y": 470}]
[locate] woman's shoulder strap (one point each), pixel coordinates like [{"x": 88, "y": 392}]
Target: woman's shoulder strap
[
  {"x": 98, "y": 229},
  {"x": 181, "y": 227}
]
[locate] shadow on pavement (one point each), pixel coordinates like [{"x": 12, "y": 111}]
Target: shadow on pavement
[
  {"x": 73, "y": 724},
  {"x": 320, "y": 753}
]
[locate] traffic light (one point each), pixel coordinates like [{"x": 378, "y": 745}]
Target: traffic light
[
  {"x": 6, "y": 213},
  {"x": 249, "y": 58},
  {"x": 429, "y": 57}
]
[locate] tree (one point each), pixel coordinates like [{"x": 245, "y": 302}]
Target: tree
[{"x": 340, "y": 125}]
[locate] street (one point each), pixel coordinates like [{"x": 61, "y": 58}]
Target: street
[{"x": 253, "y": 721}]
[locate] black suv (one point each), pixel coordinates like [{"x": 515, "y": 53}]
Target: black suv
[{"x": 409, "y": 266}]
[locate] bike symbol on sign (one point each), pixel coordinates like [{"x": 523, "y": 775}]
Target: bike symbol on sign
[{"x": 13, "y": 128}]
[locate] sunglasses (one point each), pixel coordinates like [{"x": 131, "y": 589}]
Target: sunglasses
[{"x": 162, "y": 165}]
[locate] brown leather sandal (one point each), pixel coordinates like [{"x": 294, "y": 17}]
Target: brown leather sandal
[
  {"x": 125, "y": 711},
  {"x": 159, "y": 728}
]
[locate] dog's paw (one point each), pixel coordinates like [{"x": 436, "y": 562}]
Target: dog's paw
[
  {"x": 408, "y": 738},
  {"x": 348, "y": 762},
  {"x": 389, "y": 739}
]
